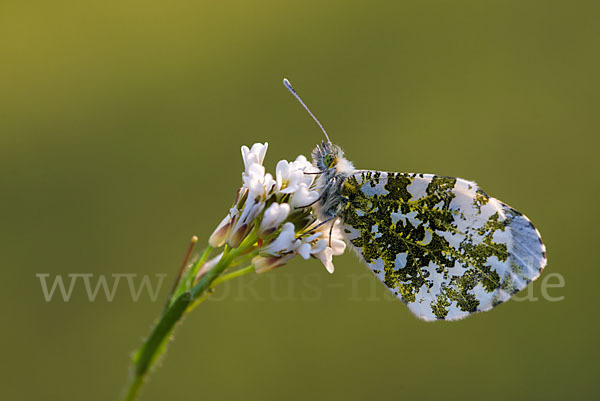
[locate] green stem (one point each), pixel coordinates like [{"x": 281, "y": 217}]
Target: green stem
[
  {"x": 194, "y": 270},
  {"x": 155, "y": 345},
  {"x": 190, "y": 274},
  {"x": 134, "y": 388},
  {"x": 199, "y": 300},
  {"x": 244, "y": 258},
  {"x": 205, "y": 281},
  {"x": 218, "y": 281},
  {"x": 228, "y": 257},
  {"x": 237, "y": 273}
]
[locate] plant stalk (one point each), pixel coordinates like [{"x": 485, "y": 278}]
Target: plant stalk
[{"x": 181, "y": 302}]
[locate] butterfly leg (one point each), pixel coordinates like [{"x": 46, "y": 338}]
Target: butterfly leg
[
  {"x": 322, "y": 223},
  {"x": 317, "y": 226},
  {"x": 332, "y": 219},
  {"x": 331, "y": 228}
]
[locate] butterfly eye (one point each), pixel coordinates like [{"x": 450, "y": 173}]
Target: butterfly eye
[{"x": 329, "y": 160}]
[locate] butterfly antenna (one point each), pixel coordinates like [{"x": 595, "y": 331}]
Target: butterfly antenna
[{"x": 291, "y": 89}]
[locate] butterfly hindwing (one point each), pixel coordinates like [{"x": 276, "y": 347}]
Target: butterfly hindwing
[{"x": 440, "y": 244}]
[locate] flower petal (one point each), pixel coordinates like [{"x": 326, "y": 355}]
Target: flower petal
[
  {"x": 260, "y": 150},
  {"x": 303, "y": 197},
  {"x": 256, "y": 155},
  {"x": 319, "y": 246},
  {"x": 337, "y": 246},
  {"x": 284, "y": 243},
  {"x": 326, "y": 258},
  {"x": 274, "y": 216},
  {"x": 304, "y": 251}
]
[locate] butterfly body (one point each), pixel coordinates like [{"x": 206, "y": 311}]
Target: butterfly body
[
  {"x": 334, "y": 169},
  {"x": 440, "y": 244}
]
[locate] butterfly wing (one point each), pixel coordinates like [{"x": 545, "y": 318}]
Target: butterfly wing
[{"x": 440, "y": 244}]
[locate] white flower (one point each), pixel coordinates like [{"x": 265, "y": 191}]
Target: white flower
[
  {"x": 273, "y": 217},
  {"x": 307, "y": 248},
  {"x": 303, "y": 197},
  {"x": 288, "y": 177},
  {"x": 256, "y": 155},
  {"x": 245, "y": 221},
  {"x": 284, "y": 243},
  {"x": 255, "y": 189},
  {"x": 336, "y": 248},
  {"x": 322, "y": 246},
  {"x": 292, "y": 218},
  {"x": 302, "y": 164},
  {"x": 258, "y": 183},
  {"x": 278, "y": 252}
]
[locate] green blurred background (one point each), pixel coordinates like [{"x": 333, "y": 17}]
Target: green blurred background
[{"x": 120, "y": 129}]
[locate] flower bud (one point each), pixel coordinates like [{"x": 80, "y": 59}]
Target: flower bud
[
  {"x": 208, "y": 265},
  {"x": 263, "y": 264},
  {"x": 220, "y": 234},
  {"x": 238, "y": 235}
]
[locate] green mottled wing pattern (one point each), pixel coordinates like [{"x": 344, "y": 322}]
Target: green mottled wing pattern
[{"x": 440, "y": 244}]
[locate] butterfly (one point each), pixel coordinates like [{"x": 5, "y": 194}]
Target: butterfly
[{"x": 440, "y": 244}]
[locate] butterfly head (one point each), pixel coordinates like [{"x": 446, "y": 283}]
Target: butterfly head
[
  {"x": 330, "y": 157},
  {"x": 326, "y": 155}
]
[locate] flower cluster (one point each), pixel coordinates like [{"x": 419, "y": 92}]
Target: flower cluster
[{"x": 272, "y": 215}]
